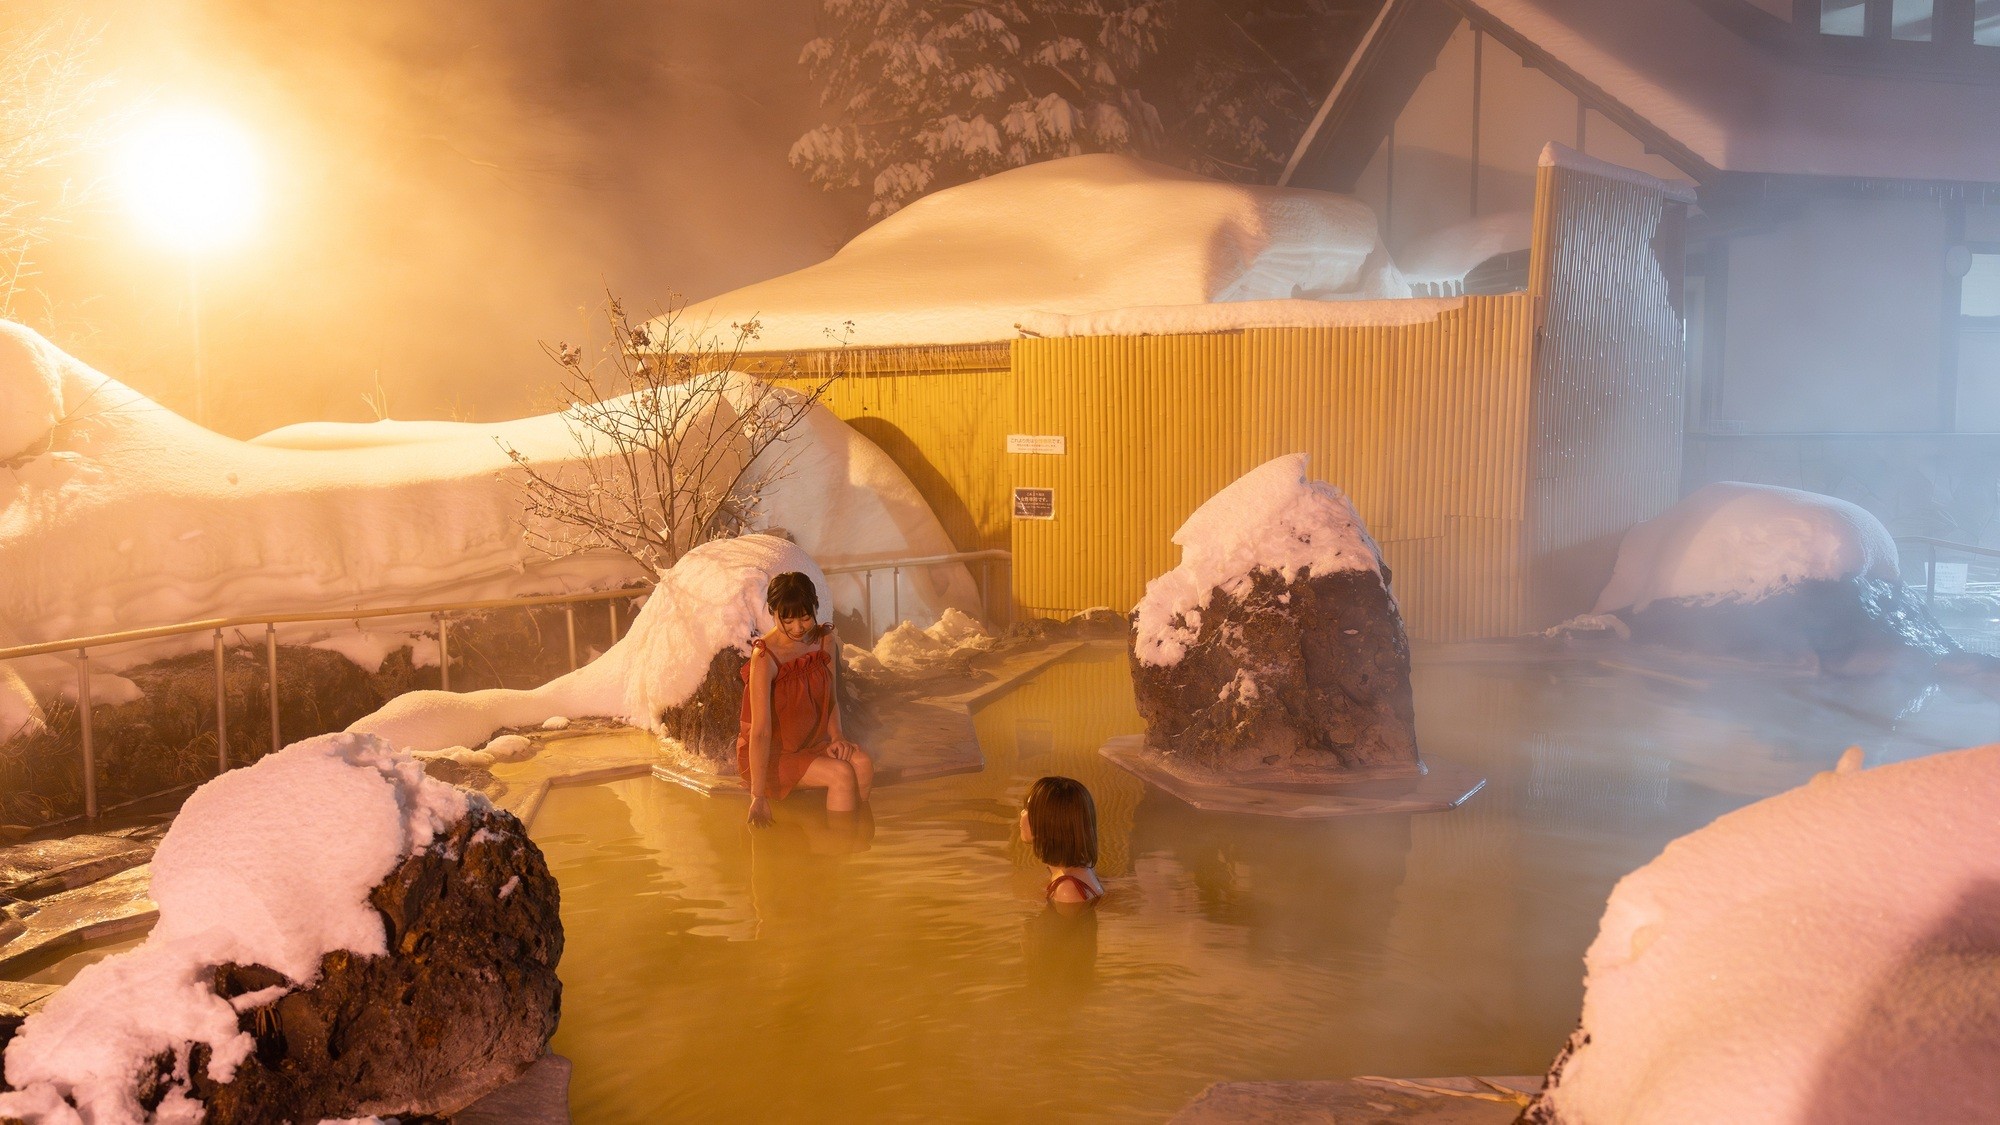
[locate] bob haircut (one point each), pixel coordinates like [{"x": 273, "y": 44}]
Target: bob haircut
[
  {"x": 1062, "y": 817},
  {"x": 791, "y": 594}
]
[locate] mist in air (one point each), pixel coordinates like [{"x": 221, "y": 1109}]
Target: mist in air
[{"x": 447, "y": 186}]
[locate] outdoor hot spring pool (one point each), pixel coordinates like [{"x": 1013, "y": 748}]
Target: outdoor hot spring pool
[{"x": 812, "y": 973}]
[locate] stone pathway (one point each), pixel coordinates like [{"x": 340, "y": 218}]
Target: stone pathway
[{"x": 59, "y": 895}]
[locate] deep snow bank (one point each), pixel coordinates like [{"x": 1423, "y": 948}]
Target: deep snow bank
[
  {"x": 1743, "y": 543},
  {"x": 711, "y": 600},
  {"x": 1274, "y": 517},
  {"x": 134, "y": 516},
  {"x": 267, "y": 865},
  {"x": 1085, "y": 234},
  {"x": 1831, "y": 954}
]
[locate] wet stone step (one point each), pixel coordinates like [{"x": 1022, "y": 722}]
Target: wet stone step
[{"x": 41, "y": 868}]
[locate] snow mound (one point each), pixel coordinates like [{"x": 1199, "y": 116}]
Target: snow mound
[
  {"x": 1744, "y": 542},
  {"x": 1828, "y": 954},
  {"x": 1444, "y": 257},
  {"x": 1084, "y": 234},
  {"x": 907, "y": 649},
  {"x": 267, "y": 865},
  {"x": 31, "y": 391},
  {"x": 137, "y": 517},
  {"x": 1273, "y": 517},
  {"x": 711, "y": 600}
]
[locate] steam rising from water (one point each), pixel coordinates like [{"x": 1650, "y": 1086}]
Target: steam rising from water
[{"x": 449, "y": 184}]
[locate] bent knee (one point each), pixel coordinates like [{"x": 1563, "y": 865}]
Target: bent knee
[{"x": 840, "y": 774}]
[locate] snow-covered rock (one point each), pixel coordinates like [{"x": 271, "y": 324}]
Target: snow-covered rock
[
  {"x": 275, "y": 874},
  {"x": 1080, "y": 235},
  {"x": 709, "y": 605},
  {"x": 1773, "y": 574},
  {"x": 19, "y": 713},
  {"x": 136, "y": 517},
  {"x": 1274, "y": 517},
  {"x": 1744, "y": 542},
  {"x": 1275, "y": 651},
  {"x": 1831, "y": 954}
]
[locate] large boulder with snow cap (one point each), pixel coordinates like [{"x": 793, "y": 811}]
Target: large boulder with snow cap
[
  {"x": 339, "y": 935},
  {"x": 1828, "y": 956},
  {"x": 1770, "y": 573},
  {"x": 1275, "y": 649}
]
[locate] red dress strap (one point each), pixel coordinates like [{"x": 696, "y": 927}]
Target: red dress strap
[{"x": 1090, "y": 894}]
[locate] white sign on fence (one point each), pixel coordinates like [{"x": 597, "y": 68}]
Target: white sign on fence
[{"x": 1035, "y": 443}]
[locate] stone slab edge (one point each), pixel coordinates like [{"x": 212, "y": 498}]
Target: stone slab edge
[{"x": 1446, "y": 786}]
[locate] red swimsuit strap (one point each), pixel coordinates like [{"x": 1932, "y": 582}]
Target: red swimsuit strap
[{"x": 1088, "y": 893}]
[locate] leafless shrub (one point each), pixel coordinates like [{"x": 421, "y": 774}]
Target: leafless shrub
[
  {"x": 49, "y": 115},
  {"x": 672, "y": 446}
]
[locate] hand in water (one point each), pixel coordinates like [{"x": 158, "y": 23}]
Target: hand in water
[{"x": 760, "y": 812}]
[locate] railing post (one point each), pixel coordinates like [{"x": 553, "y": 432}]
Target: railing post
[
  {"x": 985, "y": 588},
  {"x": 89, "y": 748},
  {"x": 271, "y": 660},
  {"x": 1930, "y": 576},
  {"x": 569, "y": 620},
  {"x": 444, "y": 650},
  {"x": 221, "y": 710},
  {"x": 868, "y": 603},
  {"x": 612, "y": 605},
  {"x": 895, "y": 596}
]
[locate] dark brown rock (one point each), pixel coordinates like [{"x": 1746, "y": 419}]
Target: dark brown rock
[
  {"x": 1860, "y": 626},
  {"x": 1330, "y": 665},
  {"x": 466, "y": 999},
  {"x": 10, "y": 1022},
  {"x": 706, "y": 721}
]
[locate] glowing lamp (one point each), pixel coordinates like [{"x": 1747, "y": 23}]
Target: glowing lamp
[{"x": 192, "y": 179}]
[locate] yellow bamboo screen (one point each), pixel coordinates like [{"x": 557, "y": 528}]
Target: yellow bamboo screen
[{"x": 1422, "y": 424}]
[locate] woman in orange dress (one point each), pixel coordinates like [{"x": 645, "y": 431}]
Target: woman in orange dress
[{"x": 790, "y": 736}]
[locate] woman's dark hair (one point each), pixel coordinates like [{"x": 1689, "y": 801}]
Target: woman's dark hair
[
  {"x": 1062, "y": 817},
  {"x": 791, "y": 594}
]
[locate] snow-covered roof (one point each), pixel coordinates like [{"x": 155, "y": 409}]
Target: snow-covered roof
[
  {"x": 1071, "y": 237},
  {"x": 1744, "y": 107}
]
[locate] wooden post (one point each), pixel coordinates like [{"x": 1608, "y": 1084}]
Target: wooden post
[{"x": 569, "y": 621}]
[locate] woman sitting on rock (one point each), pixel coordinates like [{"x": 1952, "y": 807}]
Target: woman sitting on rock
[{"x": 790, "y": 733}]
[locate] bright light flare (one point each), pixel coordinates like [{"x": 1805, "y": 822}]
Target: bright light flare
[{"x": 192, "y": 179}]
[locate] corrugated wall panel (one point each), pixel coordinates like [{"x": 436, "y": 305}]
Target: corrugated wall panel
[
  {"x": 1609, "y": 378},
  {"x": 1424, "y": 426},
  {"x": 1150, "y": 430}
]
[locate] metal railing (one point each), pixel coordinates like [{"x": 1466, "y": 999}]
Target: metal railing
[
  {"x": 1931, "y": 548},
  {"x": 439, "y": 612},
  {"x": 896, "y": 567}
]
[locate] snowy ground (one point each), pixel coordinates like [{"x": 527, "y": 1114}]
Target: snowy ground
[{"x": 117, "y": 514}]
